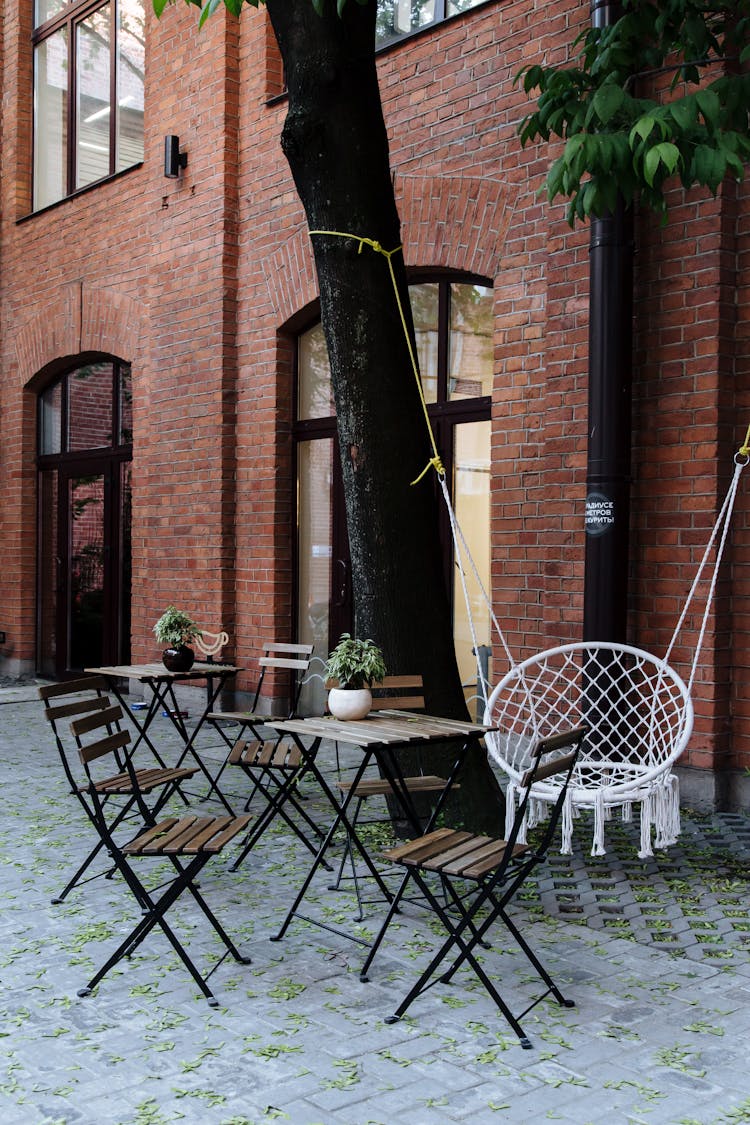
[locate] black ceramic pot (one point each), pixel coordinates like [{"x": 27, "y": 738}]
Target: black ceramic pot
[{"x": 179, "y": 659}]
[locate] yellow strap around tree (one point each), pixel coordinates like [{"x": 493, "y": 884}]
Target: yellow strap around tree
[{"x": 435, "y": 461}]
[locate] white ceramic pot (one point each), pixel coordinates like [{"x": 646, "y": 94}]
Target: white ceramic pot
[{"x": 349, "y": 703}]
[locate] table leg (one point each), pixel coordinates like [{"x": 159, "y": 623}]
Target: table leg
[
  {"x": 189, "y": 739},
  {"x": 340, "y": 818}
]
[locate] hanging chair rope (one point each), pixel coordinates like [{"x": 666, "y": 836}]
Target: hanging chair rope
[{"x": 720, "y": 530}]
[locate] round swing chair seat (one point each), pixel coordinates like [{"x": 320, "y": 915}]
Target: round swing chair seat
[{"x": 639, "y": 717}]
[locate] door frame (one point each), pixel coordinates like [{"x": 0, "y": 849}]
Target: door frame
[{"x": 116, "y": 640}]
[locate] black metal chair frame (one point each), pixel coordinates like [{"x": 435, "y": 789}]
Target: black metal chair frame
[
  {"x": 274, "y": 768},
  {"x": 187, "y": 843},
  {"x": 94, "y": 703},
  {"x": 498, "y": 868}
]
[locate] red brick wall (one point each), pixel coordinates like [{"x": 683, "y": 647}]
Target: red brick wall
[{"x": 198, "y": 281}]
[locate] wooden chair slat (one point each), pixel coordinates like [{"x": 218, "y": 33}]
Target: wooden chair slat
[
  {"x": 193, "y": 839},
  {"x": 79, "y": 707},
  {"x": 219, "y": 835},
  {"x": 71, "y": 687},
  {"x": 424, "y": 845},
  {"x": 406, "y": 702},
  {"x": 485, "y": 866},
  {"x": 548, "y": 769},
  {"x": 154, "y": 841},
  {"x": 104, "y": 718},
  {"x": 454, "y": 850},
  {"x": 237, "y": 753},
  {"x": 116, "y": 741},
  {"x": 281, "y": 646},
  {"x": 264, "y": 753},
  {"x": 144, "y": 838},
  {"x": 287, "y": 662},
  {"x": 380, "y": 786},
  {"x": 455, "y": 860}
]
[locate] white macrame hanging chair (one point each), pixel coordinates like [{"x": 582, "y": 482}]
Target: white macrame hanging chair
[{"x": 637, "y": 709}]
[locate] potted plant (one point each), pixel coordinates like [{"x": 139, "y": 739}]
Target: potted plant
[
  {"x": 356, "y": 665},
  {"x": 173, "y": 629}
]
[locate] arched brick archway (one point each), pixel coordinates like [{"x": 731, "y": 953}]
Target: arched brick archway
[
  {"x": 82, "y": 319},
  {"x": 448, "y": 222}
]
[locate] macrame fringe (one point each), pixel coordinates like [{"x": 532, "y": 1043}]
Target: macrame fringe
[
  {"x": 600, "y": 815},
  {"x": 567, "y": 825}
]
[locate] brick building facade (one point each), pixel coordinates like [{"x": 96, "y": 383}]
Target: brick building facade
[{"x": 199, "y": 287}]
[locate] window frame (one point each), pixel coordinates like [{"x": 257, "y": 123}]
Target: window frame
[
  {"x": 445, "y": 415},
  {"x": 118, "y": 449},
  {"x": 442, "y": 16},
  {"x": 73, "y": 14}
]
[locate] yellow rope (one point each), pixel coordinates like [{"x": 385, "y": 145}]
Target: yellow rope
[
  {"x": 434, "y": 462},
  {"x": 744, "y": 449}
]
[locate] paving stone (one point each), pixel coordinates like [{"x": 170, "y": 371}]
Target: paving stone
[{"x": 299, "y": 1035}]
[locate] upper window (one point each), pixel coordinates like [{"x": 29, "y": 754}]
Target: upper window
[
  {"x": 88, "y": 408},
  {"x": 397, "y": 18},
  {"x": 453, "y": 326},
  {"x": 88, "y": 93}
]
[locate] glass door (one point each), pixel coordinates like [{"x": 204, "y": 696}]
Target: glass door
[
  {"x": 92, "y": 561},
  {"x": 83, "y": 570},
  {"x": 84, "y": 548}
]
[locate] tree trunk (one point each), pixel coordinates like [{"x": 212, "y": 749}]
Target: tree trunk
[{"x": 335, "y": 141}]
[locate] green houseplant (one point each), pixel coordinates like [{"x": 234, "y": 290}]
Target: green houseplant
[
  {"x": 174, "y": 629},
  {"x": 356, "y": 665}
]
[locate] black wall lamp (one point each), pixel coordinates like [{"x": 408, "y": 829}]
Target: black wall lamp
[{"x": 174, "y": 160}]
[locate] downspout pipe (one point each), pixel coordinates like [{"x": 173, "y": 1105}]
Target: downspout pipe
[{"x": 609, "y": 413}]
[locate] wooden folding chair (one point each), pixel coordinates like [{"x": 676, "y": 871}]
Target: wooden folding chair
[
  {"x": 87, "y": 698},
  {"x": 187, "y": 843},
  {"x": 496, "y": 869},
  {"x": 402, "y": 693},
  {"x": 273, "y": 766},
  {"x": 278, "y": 656}
]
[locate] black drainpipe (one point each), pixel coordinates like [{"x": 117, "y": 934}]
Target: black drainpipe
[{"x": 609, "y": 419}]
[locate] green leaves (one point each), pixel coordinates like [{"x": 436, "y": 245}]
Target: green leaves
[
  {"x": 207, "y": 7},
  {"x": 620, "y": 141}
]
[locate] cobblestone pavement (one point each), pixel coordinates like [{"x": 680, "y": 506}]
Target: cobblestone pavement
[{"x": 656, "y": 955}]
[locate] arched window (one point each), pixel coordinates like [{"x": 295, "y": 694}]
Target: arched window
[
  {"x": 85, "y": 433},
  {"x": 454, "y": 327}
]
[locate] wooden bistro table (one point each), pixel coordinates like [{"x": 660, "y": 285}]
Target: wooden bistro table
[
  {"x": 380, "y": 737},
  {"x": 161, "y": 684}
]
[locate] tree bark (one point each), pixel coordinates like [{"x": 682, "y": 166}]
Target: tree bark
[{"x": 335, "y": 141}]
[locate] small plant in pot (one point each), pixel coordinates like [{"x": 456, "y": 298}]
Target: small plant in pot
[
  {"x": 356, "y": 665},
  {"x": 174, "y": 629}
]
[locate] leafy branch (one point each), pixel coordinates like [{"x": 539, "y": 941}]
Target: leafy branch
[{"x": 620, "y": 143}]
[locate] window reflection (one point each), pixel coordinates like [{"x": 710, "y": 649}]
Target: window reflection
[
  {"x": 425, "y": 301},
  {"x": 130, "y": 77},
  {"x": 78, "y": 410},
  {"x": 90, "y": 407},
  {"x": 50, "y": 118},
  {"x": 403, "y": 17},
  {"x": 470, "y": 345},
  {"x": 315, "y": 551},
  {"x": 50, "y": 419},
  {"x": 93, "y": 84},
  {"x": 314, "y": 393}
]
